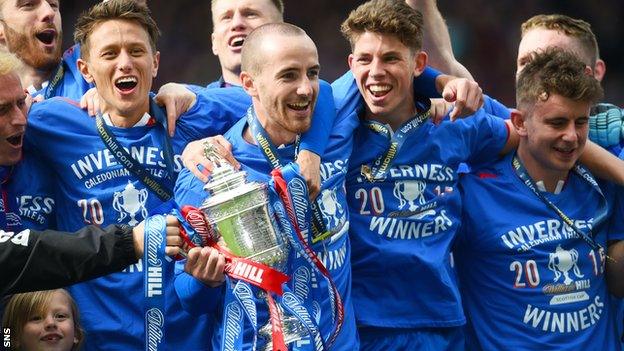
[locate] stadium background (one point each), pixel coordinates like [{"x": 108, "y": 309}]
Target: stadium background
[{"x": 485, "y": 35}]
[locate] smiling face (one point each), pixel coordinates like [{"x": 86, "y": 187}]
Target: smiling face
[
  {"x": 384, "y": 69},
  {"x": 13, "y": 111},
  {"x": 52, "y": 330},
  {"x": 122, "y": 65},
  {"x": 233, "y": 20},
  {"x": 32, "y": 30},
  {"x": 553, "y": 135},
  {"x": 285, "y": 87}
]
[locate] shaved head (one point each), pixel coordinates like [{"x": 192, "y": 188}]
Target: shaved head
[{"x": 255, "y": 47}]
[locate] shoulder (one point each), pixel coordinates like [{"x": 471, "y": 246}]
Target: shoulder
[{"x": 55, "y": 109}]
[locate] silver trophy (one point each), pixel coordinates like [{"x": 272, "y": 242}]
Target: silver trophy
[{"x": 239, "y": 211}]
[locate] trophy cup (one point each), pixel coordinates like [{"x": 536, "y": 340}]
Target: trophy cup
[{"x": 239, "y": 211}]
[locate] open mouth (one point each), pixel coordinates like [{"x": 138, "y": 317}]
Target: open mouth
[
  {"x": 565, "y": 151},
  {"x": 51, "y": 337},
  {"x": 237, "y": 41},
  {"x": 47, "y": 36},
  {"x": 299, "y": 106},
  {"x": 379, "y": 90},
  {"x": 15, "y": 140},
  {"x": 126, "y": 84}
]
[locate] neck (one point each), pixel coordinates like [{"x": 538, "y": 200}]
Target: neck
[
  {"x": 277, "y": 134},
  {"x": 394, "y": 119},
  {"x": 537, "y": 172},
  {"x": 32, "y": 76},
  {"x": 231, "y": 77},
  {"x": 126, "y": 119}
]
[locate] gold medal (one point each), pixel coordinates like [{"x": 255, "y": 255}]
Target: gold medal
[{"x": 367, "y": 173}]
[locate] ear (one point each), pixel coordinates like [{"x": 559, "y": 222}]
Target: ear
[
  {"x": 420, "y": 60},
  {"x": 518, "y": 119},
  {"x": 83, "y": 67},
  {"x": 155, "y": 62},
  {"x": 350, "y": 61},
  {"x": 2, "y": 37},
  {"x": 214, "y": 47},
  {"x": 248, "y": 84},
  {"x": 600, "y": 69}
]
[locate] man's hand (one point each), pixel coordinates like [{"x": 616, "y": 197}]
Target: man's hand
[
  {"x": 310, "y": 168},
  {"x": 194, "y": 154},
  {"x": 176, "y": 99},
  {"x": 466, "y": 94},
  {"x": 90, "y": 101},
  {"x": 439, "y": 109},
  {"x": 174, "y": 241},
  {"x": 207, "y": 265}
]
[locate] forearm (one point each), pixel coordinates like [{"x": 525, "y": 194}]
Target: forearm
[
  {"x": 437, "y": 41},
  {"x": 615, "y": 269},
  {"x": 34, "y": 260},
  {"x": 602, "y": 163}
]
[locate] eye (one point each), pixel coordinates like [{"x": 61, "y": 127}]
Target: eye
[
  {"x": 108, "y": 54},
  {"x": 313, "y": 73},
  {"x": 363, "y": 60},
  {"x": 137, "y": 51},
  {"x": 35, "y": 318},
  {"x": 54, "y": 4},
  {"x": 582, "y": 121},
  {"x": 392, "y": 59},
  {"x": 21, "y": 102},
  {"x": 288, "y": 76},
  {"x": 61, "y": 316}
]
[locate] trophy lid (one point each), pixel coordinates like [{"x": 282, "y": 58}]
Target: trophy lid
[{"x": 232, "y": 194}]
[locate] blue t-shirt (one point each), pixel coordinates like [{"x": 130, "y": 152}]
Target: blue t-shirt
[
  {"x": 402, "y": 227},
  {"x": 334, "y": 252},
  {"x": 91, "y": 187},
  {"x": 528, "y": 281},
  {"x": 71, "y": 84}
]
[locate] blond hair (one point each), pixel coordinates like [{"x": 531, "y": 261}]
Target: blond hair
[
  {"x": 9, "y": 63},
  {"x": 21, "y": 307},
  {"x": 572, "y": 27}
]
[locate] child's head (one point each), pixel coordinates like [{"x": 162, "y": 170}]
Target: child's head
[{"x": 43, "y": 320}]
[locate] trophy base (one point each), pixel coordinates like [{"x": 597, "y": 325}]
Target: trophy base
[{"x": 292, "y": 328}]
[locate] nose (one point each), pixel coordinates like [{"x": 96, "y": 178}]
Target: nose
[
  {"x": 571, "y": 133},
  {"x": 305, "y": 87},
  {"x": 49, "y": 322},
  {"x": 238, "y": 21},
  {"x": 377, "y": 68},
  {"x": 124, "y": 61},
  {"x": 47, "y": 12}
]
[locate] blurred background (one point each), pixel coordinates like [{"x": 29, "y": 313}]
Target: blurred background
[{"x": 485, "y": 35}]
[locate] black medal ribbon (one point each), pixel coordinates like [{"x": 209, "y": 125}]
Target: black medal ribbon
[
  {"x": 126, "y": 160},
  {"x": 584, "y": 174}
]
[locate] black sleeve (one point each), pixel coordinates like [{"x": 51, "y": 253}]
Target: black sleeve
[{"x": 40, "y": 260}]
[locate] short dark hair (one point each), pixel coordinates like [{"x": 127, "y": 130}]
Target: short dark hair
[
  {"x": 555, "y": 71},
  {"x": 392, "y": 17},
  {"x": 129, "y": 10}
]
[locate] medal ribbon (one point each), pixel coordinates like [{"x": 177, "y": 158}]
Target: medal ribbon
[
  {"x": 127, "y": 161},
  {"x": 153, "y": 283},
  {"x": 50, "y": 90},
  {"x": 381, "y": 165},
  {"x": 281, "y": 188},
  {"x": 272, "y": 156},
  {"x": 584, "y": 174},
  {"x": 255, "y": 273}
]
